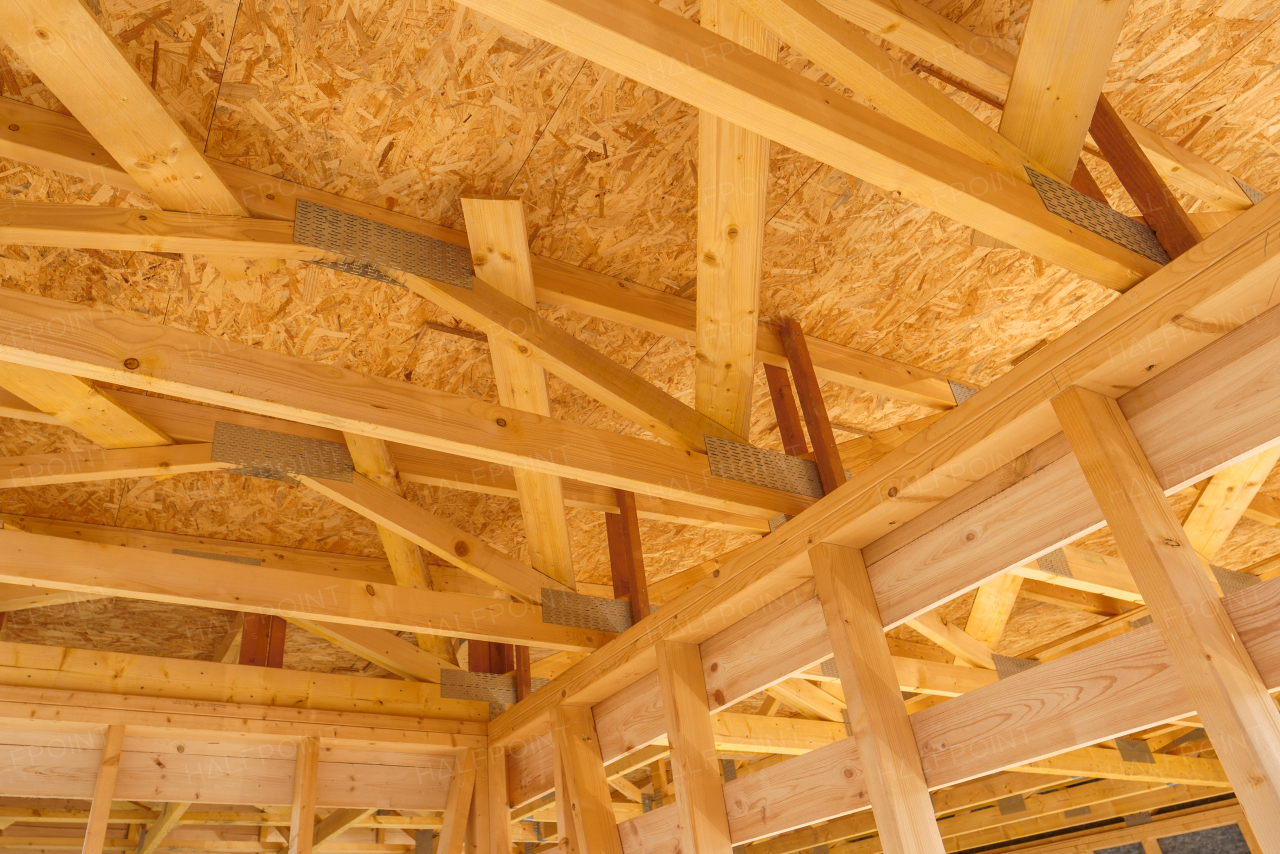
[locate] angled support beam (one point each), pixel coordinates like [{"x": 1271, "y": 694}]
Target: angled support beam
[
  {"x": 825, "y": 452},
  {"x": 785, "y": 411},
  {"x": 1225, "y": 500},
  {"x": 228, "y": 648},
  {"x": 684, "y": 60},
  {"x": 420, "y": 528},
  {"x": 95, "y": 833},
  {"x": 733, "y": 181},
  {"x": 155, "y": 832},
  {"x": 383, "y": 648},
  {"x": 704, "y": 822},
  {"x": 500, "y": 255},
  {"x": 1066, "y": 51},
  {"x": 962, "y": 645},
  {"x": 626, "y": 557},
  {"x": 305, "y": 782},
  {"x": 886, "y": 746},
  {"x": 372, "y": 458},
  {"x": 56, "y": 141},
  {"x": 1230, "y": 696},
  {"x": 586, "y": 787},
  {"x": 992, "y": 608},
  {"x": 95, "y": 464},
  {"x": 1158, "y": 206},
  {"x": 77, "y": 404},
  {"x": 336, "y": 823}
]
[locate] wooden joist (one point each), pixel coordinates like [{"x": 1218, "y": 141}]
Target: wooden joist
[
  {"x": 1108, "y": 764},
  {"x": 214, "y": 371},
  {"x": 97, "y": 464},
  {"x": 305, "y": 783},
  {"x": 77, "y": 404},
  {"x": 56, "y": 141},
  {"x": 338, "y": 822},
  {"x": 104, "y": 790},
  {"x": 61, "y": 564}
]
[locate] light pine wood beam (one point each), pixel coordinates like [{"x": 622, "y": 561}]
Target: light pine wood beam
[
  {"x": 1108, "y": 764},
  {"x": 992, "y": 608},
  {"x": 1238, "y": 713},
  {"x": 962, "y": 645},
  {"x": 886, "y": 747},
  {"x": 704, "y": 822},
  {"x": 499, "y": 800},
  {"x": 499, "y": 240},
  {"x": 65, "y": 46},
  {"x": 228, "y": 649},
  {"x": 196, "y": 367},
  {"x": 372, "y": 458},
  {"x": 419, "y": 527},
  {"x": 155, "y": 832},
  {"x": 305, "y": 782},
  {"x": 660, "y": 48},
  {"x": 96, "y": 464},
  {"x": 56, "y": 141},
  {"x": 1226, "y": 498},
  {"x": 338, "y": 822},
  {"x": 104, "y": 786},
  {"x": 733, "y": 184},
  {"x": 887, "y": 83},
  {"x": 588, "y": 803},
  {"x": 406, "y": 660},
  {"x": 1066, "y": 51},
  {"x": 62, "y": 564},
  {"x": 77, "y": 404}
]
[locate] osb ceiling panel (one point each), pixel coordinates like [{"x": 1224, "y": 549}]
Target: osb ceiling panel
[{"x": 410, "y": 103}]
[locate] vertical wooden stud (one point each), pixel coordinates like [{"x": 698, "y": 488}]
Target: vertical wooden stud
[
  {"x": 303, "y": 821},
  {"x": 825, "y": 453},
  {"x": 95, "y": 834}
]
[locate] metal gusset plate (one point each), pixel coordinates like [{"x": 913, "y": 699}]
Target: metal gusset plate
[
  {"x": 1255, "y": 196},
  {"x": 961, "y": 392},
  {"x": 379, "y": 248},
  {"x": 248, "y": 561},
  {"x": 1231, "y": 581},
  {"x": 1007, "y": 666},
  {"x": 749, "y": 464},
  {"x": 278, "y": 456},
  {"x": 829, "y": 668},
  {"x": 1137, "y": 818},
  {"x": 492, "y": 688},
  {"x": 1069, "y": 203},
  {"x": 1135, "y": 750},
  {"x": 1055, "y": 562},
  {"x": 1196, "y": 734},
  {"x": 424, "y": 841},
  {"x": 1144, "y": 620},
  {"x": 564, "y": 608},
  {"x": 1011, "y": 805},
  {"x": 357, "y": 268},
  {"x": 1078, "y": 812}
]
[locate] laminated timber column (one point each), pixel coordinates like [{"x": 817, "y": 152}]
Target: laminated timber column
[
  {"x": 583, "y": 787},
  {"x": 1229, "y": 695},
  {"x": 372, "y": 458},
  {"x": 704, "y": 821},
  {"x": 900, "y": 801},
  {"x": 733, "y": 179},
  {"x": 500, "y": 255}
]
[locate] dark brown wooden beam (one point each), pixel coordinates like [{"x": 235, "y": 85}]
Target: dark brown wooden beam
[
  {"x": 1084, "y": 182},
  {"x": 816, "y": 419},
  {"x": 784, "y": 408},
  {"x": 626, "y": 558},
  {"x": 1155, "y": 201},
  {"x": 262, "y": 642}
]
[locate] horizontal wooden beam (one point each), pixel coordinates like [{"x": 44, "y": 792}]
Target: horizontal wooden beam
[
  {"x": 61, "y": 564},
  {"x": 95, "y": 464},
  {"x": 106, "y": 347},
  {"x": 55, "y": 141}
]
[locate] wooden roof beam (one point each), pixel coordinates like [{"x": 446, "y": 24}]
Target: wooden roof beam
[
  {"x": 60, "y": 564},
  {"x": 981, "y": 62},
  {"x": 77, "y": 404},
  {"x": 214, "y": 371},
  {"x": 1066, "y": 51},
  {"x": 661, "y": 49},
  {"x": 55, "y": 141}
]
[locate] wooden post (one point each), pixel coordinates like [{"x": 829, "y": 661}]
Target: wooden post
[
  {"x": 262, "y": 640},
  {"x": 1220, "y": 677},
  {"x": 480, "y": 819},
  {"x": 457, "y": 807},
  {"x": 95, "y": 834},
  {"x": 704, "y": 822},
  {"x": 1157, "y": 204},
  {"x": 586, "y": 789},
  {"x": 524, "y": 673},
  {"x": 626, "y": 557},
  {"x": 302, "y": 824},
  {"x": 784, "y": 409},
  {"x": 500, "y": 795},
  {"x": 895, "y": 781},
  {"x": 825, "y": 453}
]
